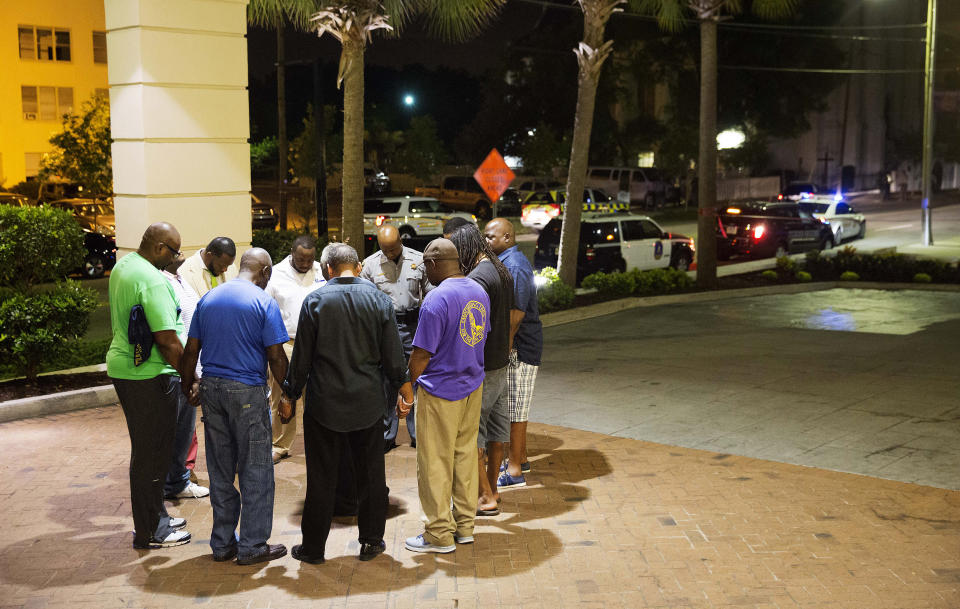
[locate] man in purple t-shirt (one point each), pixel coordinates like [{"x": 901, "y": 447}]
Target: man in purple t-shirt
[{"x": 446, "y": 366}]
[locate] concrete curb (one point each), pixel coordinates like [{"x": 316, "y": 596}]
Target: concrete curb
[{"x": 55, "y": 403}]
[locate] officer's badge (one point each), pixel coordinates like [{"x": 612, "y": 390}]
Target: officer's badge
[{"x": 413, "y": 266}]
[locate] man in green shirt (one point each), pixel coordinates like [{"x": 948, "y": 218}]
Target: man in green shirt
[{"x": 146, "y": 376}]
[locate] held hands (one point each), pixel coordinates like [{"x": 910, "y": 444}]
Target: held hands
[
  {"x": 286, "y": 410},
  {"x": 193, "y": 393},
  {"x": 404, "y": 400}
]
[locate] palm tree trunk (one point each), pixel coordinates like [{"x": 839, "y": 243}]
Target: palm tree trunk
[
  {"x": 351, "y": 224},
  {"x": 282, "y": 146},
  {"x": 707, "y": 191},
  {"x": 576, "y": 176}
]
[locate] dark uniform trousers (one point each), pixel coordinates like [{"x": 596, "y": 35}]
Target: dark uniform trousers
[{"x": 407, "y": 324}]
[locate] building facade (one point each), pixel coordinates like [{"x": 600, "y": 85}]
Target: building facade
[{"x": 54, "y": 58}]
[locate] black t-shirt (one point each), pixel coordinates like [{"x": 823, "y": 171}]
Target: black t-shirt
[{"x": 496, "y": 351}]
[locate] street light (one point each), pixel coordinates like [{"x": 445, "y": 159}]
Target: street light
[
  {"x": 927, "y": 162},
  {"x": 409, "y": 100}
]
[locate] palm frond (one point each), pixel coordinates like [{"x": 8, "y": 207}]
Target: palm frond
[
  {"x": 669, "y": 13},
  {"x": 454, "y": 20},
  {"x": 773, "y": 9},
  {"x": 265, "y": 13}
]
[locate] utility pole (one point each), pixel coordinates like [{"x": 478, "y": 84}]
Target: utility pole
[{"x": 927, "y": 164}]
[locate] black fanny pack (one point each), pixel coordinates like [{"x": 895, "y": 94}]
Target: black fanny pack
[{"x": 139, "y": 335}]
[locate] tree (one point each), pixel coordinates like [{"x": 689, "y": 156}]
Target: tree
[
  {"x": 670, "y": 15},
  {"x": 591, "y": 53},
  {"x": 81, "y": 152},
  {"x": 422, "y": 151},
  {"x": 352, "y": 23}
]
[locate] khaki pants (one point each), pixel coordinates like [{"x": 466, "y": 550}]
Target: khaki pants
[
  {"x": 283, "y": 433},
  {"x": 447, "y": 464}
]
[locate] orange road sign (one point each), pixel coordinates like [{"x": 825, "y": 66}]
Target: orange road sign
[{"x": 493, "y": 175}]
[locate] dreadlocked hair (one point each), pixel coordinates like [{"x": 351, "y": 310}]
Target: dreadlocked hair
[{"x": 471, "y": 247}]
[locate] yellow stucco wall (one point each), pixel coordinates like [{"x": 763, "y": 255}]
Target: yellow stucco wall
[{"x": 18, "y": 135}]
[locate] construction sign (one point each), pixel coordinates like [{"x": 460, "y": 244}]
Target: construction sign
[{"x": 493, "y": 175}]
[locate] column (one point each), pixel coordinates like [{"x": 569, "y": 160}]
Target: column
[{"x": 179, "y": 118}]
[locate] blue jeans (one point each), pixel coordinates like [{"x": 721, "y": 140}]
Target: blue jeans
[
  {"x": 391, "y": 422},
  {"x": 179, "y": 476},
  {"x": 238, "y": 440}
]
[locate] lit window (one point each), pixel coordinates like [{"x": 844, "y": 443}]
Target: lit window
[
  {"x": 44, "y": 44},
  {"x": 63, "y": 45},
  {"x": 28, "y": 98},
  {"x": 645, "y": 159},
  {"x": 32, "y": 162},
  {"x": 27, "y": 42},
  {"x": 100, "y": 47}
]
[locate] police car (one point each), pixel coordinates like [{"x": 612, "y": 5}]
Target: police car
[
  {"x": 763, "y": 229},
  {"x": 845, "y": 221},
  {"x": 617, "y": 242},
  {"x": 413, "y": 216},
  {"x": 544, "y": 205}
]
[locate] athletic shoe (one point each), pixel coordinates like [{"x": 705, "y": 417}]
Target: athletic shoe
[
  {"x": 507, "y": 481},
  {"x": 369, "y": 551},
  {"x": 419, "y": 544},
  {"x": 524, "y": 467},
  {"x": 178, "y": 523},
  {"x": 176, "y": 538},
  {"x": 462, "y": 539},
  {"x": 191, "y": 491}
]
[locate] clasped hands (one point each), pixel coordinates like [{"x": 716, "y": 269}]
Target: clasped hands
[
  {"x": 404, "y": 400},
  {"x": 287, "y": 409}
]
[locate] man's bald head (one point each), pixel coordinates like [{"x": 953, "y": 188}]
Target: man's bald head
[
  {"x": 500, "y": 235},
  {"x": 441, "y": 260},
  {"x": 160, "y": 244},
  {"x": 256, "y": 266},
  {"x": 388, "y": 238}
]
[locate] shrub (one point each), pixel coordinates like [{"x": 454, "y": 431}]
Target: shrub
[
  {"x": 880, "y": 267},
  {"x": 611, "y": 285},
  {"x": 554, "y": 294},
  {"x": 41, "y": 326},
  {"x": 803, "y": 276},
  {"x": 786, "y": 266},
  {"x": 278, "y": 242},
  {"x": 770, "y": 275},
  {"x": 922, "y": 278},
  {"x": 660, "y": 281},
  {"x": 37, "y": 244},
  {"x": 849, "y": 276}
]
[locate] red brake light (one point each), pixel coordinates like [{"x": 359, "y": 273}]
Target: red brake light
[
  {"x": 380, "y": 220},
  {"x": 758, "y": 232},
  {"x": 780, "y": 197},
  {"x": 554, "y": 211},
  {"x": 591, "y": 253}
]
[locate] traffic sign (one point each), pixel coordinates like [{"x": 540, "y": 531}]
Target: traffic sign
[{"x": 493, "y": 175}]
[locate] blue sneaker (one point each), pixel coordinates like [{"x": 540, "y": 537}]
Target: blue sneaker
[
  {"x": 419, "y": 544},
  {"x": 524, "y": 467},
  {"x": 507, "y": 481}
]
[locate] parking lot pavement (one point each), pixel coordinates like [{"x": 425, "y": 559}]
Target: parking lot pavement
[
  {"x": 605, "y": 522},
  {"x": 853, "y": 380}
]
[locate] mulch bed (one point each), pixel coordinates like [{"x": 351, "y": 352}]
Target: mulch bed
[{"x": 54, "y": 383}]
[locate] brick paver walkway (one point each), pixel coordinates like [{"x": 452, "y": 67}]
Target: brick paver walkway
[{"x": 606, "y": 522}]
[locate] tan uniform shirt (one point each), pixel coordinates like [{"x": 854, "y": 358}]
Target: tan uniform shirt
[{"x": 404, "y": 281}]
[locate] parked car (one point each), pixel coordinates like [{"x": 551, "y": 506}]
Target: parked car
[
  {"x": 264, "y": 216},
  {"x": 526, "y": 187},
  {"x": 800, "y": 191},
  {"x": 845, "y": 221},
  {"x": 56, "y": 189},
  {"x": 509, "y": 203},
  {"x": 413, "y": 216},
  {"x": 376, "y": 182},
  {"x": 542, "y": 206},
  {"x": 93, "y": 215},
  {"x": 101, "y": 255},
  {"x": 617, "y": 242},
  {"x": 634, "y": 185},
  {"x": 461, "y": 193},
  {"x": 764, "y": 229},
  {"x": 14, "y": 199}
]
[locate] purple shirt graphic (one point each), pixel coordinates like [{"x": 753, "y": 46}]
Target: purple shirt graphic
[{"x": 453, "y": 326}]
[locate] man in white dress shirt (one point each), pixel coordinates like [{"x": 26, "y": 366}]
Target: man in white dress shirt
[
  {"x": 293, "y": 278},
  {"x": 211, "y": 266}
]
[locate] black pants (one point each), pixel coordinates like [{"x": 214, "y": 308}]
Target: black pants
[
  {"x": 323, "y": 450},
  {"x": 150, "y": 407}
]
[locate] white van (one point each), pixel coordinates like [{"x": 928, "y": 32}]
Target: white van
[{"x": 633, "y": 185}]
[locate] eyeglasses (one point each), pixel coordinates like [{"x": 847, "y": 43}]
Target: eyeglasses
[{"x": 176, "y": 254}]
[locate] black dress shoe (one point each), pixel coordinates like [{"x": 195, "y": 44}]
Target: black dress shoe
[
  {"x": 230, "y": 554},
  {"x": 268, "y": 553},
  {"x": 368, "y": 551},
  {"x": 299, "y": 554}
]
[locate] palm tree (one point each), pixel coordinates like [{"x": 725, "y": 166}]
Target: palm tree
[
  {"x": 352, "y": 23},
  {"x": 591, "y": 53},
  {"x": 670, "y": 15}
]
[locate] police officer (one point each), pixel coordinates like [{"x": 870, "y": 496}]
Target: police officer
[{"x": 398, "y": 271}]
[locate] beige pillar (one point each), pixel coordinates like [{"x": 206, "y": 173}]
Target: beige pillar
[{"x": 179, "y": 118}]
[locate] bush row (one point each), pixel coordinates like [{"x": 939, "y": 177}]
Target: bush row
[
  {"x": 638, "y": 283},
  {"x": 849, "y": 265}
]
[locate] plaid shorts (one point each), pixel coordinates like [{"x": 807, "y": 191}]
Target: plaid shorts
[{"x": 520, "y": 380}]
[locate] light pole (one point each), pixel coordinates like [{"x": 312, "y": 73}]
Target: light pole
[{"x": 927, "y": 162}]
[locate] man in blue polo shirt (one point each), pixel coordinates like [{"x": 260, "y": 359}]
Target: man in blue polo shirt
[
  {"x": 446, "y": 366},
  {"x": 240, "y": 329}
]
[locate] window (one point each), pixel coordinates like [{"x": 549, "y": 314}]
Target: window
[
  {"x": 28, "y": 47},
  {"x": 651, "y": 230},
  {"x": 99, "y": 47},
  {"x": 427, "y": 206},
  {"x": 843, "y": 208},
  {"x": 63, "y": 45},
  {"x": 635, "y": 230},
  {"x": 598, "y": 233},
  {"x": 44, "y": 44},
  {"x": 379, "y": 206},
  {"x": 46, "y": 103},
  {"x": 32, "y": 162},
  {"x": 600, "y": 174}
]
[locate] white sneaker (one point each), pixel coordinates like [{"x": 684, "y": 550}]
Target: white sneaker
[
  {"x": 191, "y": 491},
  {"x": 177, "y": 523},
  {"x": 463, "y": 538},
  {"x": 419, "y": 544},
  {"x": 176, "y": 538}
]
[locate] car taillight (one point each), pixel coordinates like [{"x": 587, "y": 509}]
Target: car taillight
[
  {"x": 554, "y": 211},
  {"x": 591, "y": 253},
  {"x": 758, "y": 232},
  {"x": 380, "y": 220},
  {"x": 780, "y": 197}
]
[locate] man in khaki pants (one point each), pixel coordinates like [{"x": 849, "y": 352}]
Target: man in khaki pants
[
  {"x": 447, "y": 368},
  {"x": 293, "y": 278}
]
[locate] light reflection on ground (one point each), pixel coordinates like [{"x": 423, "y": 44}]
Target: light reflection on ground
[{"x": 899, "y": 312}]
